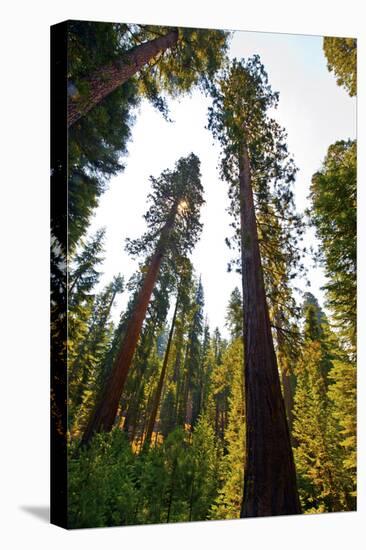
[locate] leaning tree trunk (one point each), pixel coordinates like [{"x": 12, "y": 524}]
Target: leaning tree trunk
[
  {"x": 152, "y": 420},
  {"x": 106, "y": 79},
  {"x": 270, "y": 477},
  {"x": 104, "y": 415}
]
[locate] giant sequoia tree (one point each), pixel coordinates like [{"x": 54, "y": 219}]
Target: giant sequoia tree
[
  {"x": 167, "y": 58},
  {"x": 257, "y": 167},
  {"x": 173, "y": 229}
]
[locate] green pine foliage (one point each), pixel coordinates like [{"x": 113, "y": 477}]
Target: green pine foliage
[
  {"x": 325, "y": 482},
  {"x": 333, "y": 196},
  {"x": 342, "y": 395},
  {"x": 228, "y": 503},
  {"x": 98, "y": 142},
  {"x": 341, "y": 55}
]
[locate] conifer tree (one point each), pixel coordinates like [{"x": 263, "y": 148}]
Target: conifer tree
[
  {"x": 157, "y": 397},
  {"x": 192, "y": 382},
  {"x": 173, "y": 228},
  {"x": 227, "y": 505},
  {"x": 202, "y": 470},
  {"x": 318, "y": 452},
  {"x": 255, "y": 156},
  {"x": 234, "y": 316},
  {"x": 341, "y": 55},
  {"x": 168, "y": 58},
  {"x": 98, "y": 142},
  {"x": 342, "y": 396},
  {"x": 82, "y": 280},
  {"x": 86, "y": 366},
  {"x": 139, "y": 387},
  {"x": 333, "y": 213}
]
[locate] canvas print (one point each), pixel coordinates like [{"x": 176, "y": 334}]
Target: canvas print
[{"x": 203, "y": 274}]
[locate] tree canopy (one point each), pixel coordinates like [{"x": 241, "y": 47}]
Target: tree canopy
[
  {"x": 341, "y": 54},
  {"x": 333, "y": 195}
]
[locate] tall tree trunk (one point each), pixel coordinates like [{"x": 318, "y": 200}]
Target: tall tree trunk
[
  {"x": 159, "y": 389},
  {"x": 104, "y": 414},
  {"x": 106, "y": 79},
  {"x": 270, "y": 478}
]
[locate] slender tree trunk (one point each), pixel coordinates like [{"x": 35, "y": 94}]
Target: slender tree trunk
[
  {"x": 285, "y": 377},
  {"x": 270, "y": 477},
  {"x": 159, "y": 389},
  {"x": 104, "y": 414},
  {"x": 106, "y": 79},
  {"x": 287, "y": 396}
]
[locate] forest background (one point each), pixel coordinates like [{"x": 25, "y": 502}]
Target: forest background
[{"x": 28, "y": 286}]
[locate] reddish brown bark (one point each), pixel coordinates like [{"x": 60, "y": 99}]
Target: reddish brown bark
[
  {"x": 270, "y": 477},
  {"x": 106, "y": 79},
  {"x": 104, "y": 415},
  {"x": 152, "y": 420}
]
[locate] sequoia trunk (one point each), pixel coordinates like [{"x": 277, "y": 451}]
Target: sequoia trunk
[
  {"x": 106, "y": 410},
  {"x": 270, "y": 477},
  {"x": 111, "y": 76}
]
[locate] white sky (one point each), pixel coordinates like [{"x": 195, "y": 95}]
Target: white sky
[{"x": 312, "y": 108}]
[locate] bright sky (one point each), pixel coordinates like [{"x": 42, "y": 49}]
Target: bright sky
[{"x": 312, "y": 108}]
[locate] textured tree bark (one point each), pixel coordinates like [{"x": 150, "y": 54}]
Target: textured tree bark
[
  {"x": 106, "y": 79},
  {"x": 152, "y": 420},
  {"x": 104, "y": 414},
  {"x": 270, "y": 477}
]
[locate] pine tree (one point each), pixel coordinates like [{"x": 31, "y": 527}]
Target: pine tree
[
  {"x": 82, "y": 280},
  {"x": 193, "y": 375},
  {"x": 173, "y": 228},
  {"x": 234, "y": 316},
  {"x": 135, "y": 403},
  {"x": 318, "y": 452},
  {"x": 202, "y": 471},
  {"x": 157, "y": 397},
  {"x": 228, "y": 503},
  {"x": 333, "y": 213},
  {"x": 255, "y": 156},
  {"x": 85, "y": 370},
  {"x": 221, "y": 379}
]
